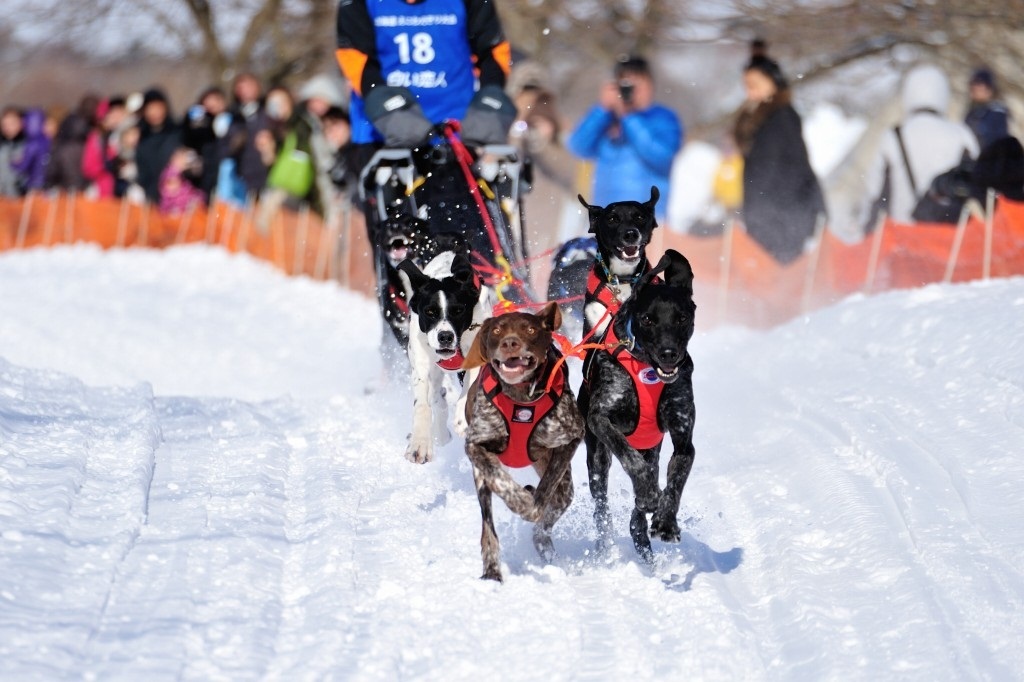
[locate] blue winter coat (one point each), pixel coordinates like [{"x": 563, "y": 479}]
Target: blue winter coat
[{"x": 628, "y": 164}]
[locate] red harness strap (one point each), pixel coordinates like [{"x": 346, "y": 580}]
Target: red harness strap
[
  {"x": 520, "y": 418},
  {"x": 599, "y": 289},
  {"x": 648, "y": 386}
]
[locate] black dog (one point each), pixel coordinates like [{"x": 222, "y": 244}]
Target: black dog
[
  {"x": 623, "y": 231},
  {"x": 398, "y": 237},
  {"x": 640, "y": 387}
]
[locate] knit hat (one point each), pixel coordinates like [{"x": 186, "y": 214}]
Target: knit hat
[
  {"x": 153, "y": 95},
  {"x": 322, "y": 87},
  {"x": 983, "y": 76}
]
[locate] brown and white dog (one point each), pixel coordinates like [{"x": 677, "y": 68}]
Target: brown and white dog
[{"x": 520, "y": 416}]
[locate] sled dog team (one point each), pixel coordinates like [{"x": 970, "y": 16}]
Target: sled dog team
[{"x": 517, "y": 408}]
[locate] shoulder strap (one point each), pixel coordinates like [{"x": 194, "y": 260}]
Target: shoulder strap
[{"x": 906, "y": 160}]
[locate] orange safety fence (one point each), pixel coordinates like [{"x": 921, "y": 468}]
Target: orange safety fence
[
  {"x": 297, "y": 243},
  {"x": 735, "y": 280}
]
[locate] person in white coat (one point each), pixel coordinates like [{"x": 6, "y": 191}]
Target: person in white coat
[{"x": 934, "y": 144}]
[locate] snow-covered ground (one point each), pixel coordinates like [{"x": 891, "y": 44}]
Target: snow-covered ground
[{"x": 195, "y": 484}]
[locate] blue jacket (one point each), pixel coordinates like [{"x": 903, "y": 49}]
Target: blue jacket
[{"x": 640, "y": 156}]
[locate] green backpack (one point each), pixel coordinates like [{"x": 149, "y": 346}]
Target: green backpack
[{"x": 292, "y": 170}]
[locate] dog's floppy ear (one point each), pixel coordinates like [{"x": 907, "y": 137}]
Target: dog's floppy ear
[
  {"x": 477, "y": 355},
  {"x": 412, "y": 277},
  {"x": 678, "y": 273},
  {"x": 462, "y": 269},
  {"x": 593, "y": 212},
  {"x": 550, "y": 317}
]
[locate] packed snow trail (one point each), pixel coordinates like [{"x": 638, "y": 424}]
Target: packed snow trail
[{"x": 195, "y": 484}]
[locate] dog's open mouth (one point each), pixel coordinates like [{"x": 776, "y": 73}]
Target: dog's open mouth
[
  {"x": 446, "y": 353},
  {"x": 667, "y": 376},
  {"x": 629, "y": 253},
  {"x": 515, "y": 368}
]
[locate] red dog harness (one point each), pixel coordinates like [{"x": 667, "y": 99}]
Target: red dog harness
[
  {"x": 601, "y": 289},
  {"x": 648, "y": 386},
  {"x": 521, "y": 418}
]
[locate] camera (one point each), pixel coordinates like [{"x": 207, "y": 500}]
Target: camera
[{"x": 626, "y": 88}]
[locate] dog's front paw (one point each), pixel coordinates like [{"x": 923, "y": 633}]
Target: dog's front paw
[
  {"x": 664, "y": 527},
  {"x": 542, "y": 543},
  {"x": 419, "y": 452},
  {"x": 492, "y": 573}
]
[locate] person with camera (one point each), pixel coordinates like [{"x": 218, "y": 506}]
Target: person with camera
[{"x": 631, "y": 138}]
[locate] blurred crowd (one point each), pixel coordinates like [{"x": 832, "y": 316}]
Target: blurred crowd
[
  {"x": 292, "y": 147},
  {"x": 285, "y": 147}
]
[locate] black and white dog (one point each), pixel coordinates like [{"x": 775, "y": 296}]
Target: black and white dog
[
  {"x": 623, "y": 230},
  {"x": 641, "y": 386},
  {"x": 447, "y": 304}
]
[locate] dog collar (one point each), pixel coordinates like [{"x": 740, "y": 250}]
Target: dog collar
[
  {"x": 615, "y": 280},
  {"x": 452, "y": 363},
  {"x": 630, "y": 341}
]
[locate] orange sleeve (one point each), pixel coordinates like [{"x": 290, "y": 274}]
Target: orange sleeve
[
  {"x": 502, "y": 54},
  {"x": 352, "y": 63}
]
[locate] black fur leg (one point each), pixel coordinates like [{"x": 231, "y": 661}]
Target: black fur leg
[
  {"x": 642, "y": 469},
  {"x": 641, "y": 541},
  {"x": 599, "y": 463},
  {"x": 664, "y": 525}
]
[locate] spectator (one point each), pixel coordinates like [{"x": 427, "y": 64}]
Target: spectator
[
  {"x": 64, "y": 171},
  {"x": 338, "y": 133},
  {"x": 12, "y": 145},
  {"x": 781, "y": 195},
  {"x": 200, "y": 132},
  {"x": 319, "y": 94},
  {"x": 100, "y": 151},
  {"x": 159, "y": 137},
  {"x": 987, "y": 118},
  {"x": 934, "y": 144},
  {"x": 36, "y": 154},
  {"x": 244, "y": 139},
  {"x": 125, "y": 140},
  {"x": 177, "y": 193},
  {"x": 631, "y": 138}
]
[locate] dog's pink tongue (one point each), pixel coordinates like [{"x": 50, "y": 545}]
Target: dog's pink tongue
[
  {"x": 515, "y": 363},
  {"x": 400, "y": 253}
]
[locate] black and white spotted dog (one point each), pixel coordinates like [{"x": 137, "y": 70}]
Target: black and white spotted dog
[
  {"x": 447, "y": 304},
  {"x": 641, "y": 386}
]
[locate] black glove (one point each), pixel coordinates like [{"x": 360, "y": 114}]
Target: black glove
[
  {"x": 397, "y": 115},
  {"x": 489, "y": 117}
]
